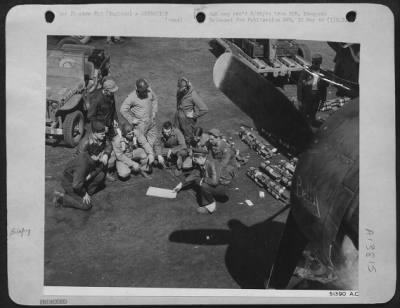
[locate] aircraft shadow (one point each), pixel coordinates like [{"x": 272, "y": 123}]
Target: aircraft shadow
[{"x": 251, "y": 249}]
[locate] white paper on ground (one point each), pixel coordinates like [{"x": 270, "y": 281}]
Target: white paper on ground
[{"x": 161, "y": 192}]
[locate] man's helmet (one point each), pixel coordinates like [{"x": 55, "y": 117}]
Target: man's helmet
[
  {"x": 110, "y": 86},
  {"x": 142, "y": 85},
  {"x": 183, "y": 83}
]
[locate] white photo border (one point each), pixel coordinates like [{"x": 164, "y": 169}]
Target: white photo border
[{"x": 26, "y": 35}]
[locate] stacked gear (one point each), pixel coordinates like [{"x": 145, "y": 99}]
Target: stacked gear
[
  {"x": 265, "y": 150},
  {"x": 275, "y": 173},
  {"x": 281, "y": 172},
  {"x": 279, "y": 192}
]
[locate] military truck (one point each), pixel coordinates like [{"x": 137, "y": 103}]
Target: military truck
[
  {"x": 73, "y": 71},
  {"x": 271, "y": 58}
]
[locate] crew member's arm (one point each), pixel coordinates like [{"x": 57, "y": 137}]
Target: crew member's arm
[
  {"x": 200, "y": 107},
  {"x": 154, "y": 102},
  {"x": 125, "y": 110}
]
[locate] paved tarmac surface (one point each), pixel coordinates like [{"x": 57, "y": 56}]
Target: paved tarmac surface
[{"x": 131, "y": 240}]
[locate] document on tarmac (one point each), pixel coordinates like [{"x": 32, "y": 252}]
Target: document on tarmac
[{"x": 160, "y": 192}]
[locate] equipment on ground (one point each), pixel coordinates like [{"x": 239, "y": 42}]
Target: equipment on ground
[
  {"x": 278, "y": 191},
  {"x": 264, "y": 149}
]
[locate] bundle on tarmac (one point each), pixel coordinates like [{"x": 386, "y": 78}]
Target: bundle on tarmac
[{"x": 278, "y": 191}]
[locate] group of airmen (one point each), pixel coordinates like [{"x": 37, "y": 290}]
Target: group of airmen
[
  {"x": 203, "y": 160},
  {"x": 134, "y": 146}
]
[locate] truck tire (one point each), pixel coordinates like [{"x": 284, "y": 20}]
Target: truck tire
[
  {"x": 73, "y": 128},
  {"x": 304, "y": 52}
]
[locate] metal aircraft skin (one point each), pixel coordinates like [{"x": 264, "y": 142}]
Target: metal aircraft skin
[{"x": 325, "y": 190}]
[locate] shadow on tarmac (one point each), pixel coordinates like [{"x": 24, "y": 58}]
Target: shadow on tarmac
[{"x": 251, "y": 249}]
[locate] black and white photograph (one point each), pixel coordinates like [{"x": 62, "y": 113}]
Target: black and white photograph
[
  {"x": 165, "y": 154},
  {"x": 201, "y": 163}
]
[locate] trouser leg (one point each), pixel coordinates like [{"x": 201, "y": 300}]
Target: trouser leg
[
  {"x": 204, "y": 195},
  {"x": 218, "y": 192},
  {"x": 207, "y": 194},
  {"x": 181, "y": 156},
  {"x": 186, "y": 125},
  {"x": 71, "y": 198},
  {"x": 123, "y": 170},
  {"x": 139, "y": 155},
  {"x": 151, "y": 134},
  {"x": 96, "y": 183}
]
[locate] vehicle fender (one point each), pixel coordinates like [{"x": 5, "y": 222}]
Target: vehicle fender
[{"x": 72, "y": 102}]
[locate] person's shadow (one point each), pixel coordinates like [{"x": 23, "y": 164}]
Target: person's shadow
[{"x": 251, "y": 251}]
